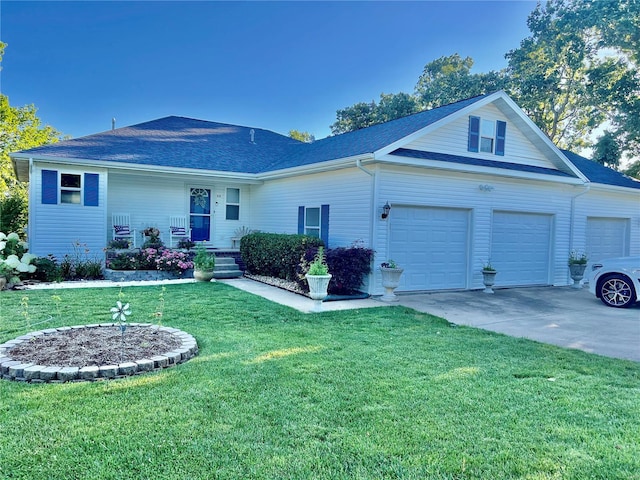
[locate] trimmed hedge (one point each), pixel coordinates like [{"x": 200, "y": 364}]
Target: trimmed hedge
[{"x": 275, "y": 254}]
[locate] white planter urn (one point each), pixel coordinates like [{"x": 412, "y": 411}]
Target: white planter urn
[
  {"x": 390, "y": 281},
  {"x": 489, "y": 280},
  {"x": 318, "y": 285},
  {"x": 577, "y": 273},
  {"x": 203, "y": 275}
]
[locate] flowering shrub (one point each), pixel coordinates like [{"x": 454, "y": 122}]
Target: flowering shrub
[
  {"x": 172, "y": 261},
  {"x": 163, "y": 259},
  {"x": 14, "y": 259}
]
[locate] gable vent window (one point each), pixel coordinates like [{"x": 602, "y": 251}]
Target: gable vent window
[{"x": 486, "y": 136}]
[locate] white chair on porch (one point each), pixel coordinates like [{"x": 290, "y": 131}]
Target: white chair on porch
[
  {"x": 121, "y": 223},
  {"x": 178, "y": 229}
]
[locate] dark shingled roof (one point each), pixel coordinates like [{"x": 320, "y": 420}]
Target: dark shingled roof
[
  {"x": 181, "y": 142},
  {"x": 188, "y": 143},
  {"x": 597, "y": 173}
]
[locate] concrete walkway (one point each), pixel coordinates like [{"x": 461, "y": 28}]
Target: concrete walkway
[{"x": 563, "y": 316}]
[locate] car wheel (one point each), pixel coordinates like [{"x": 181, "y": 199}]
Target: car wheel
[{"x": 616, "y": 291}]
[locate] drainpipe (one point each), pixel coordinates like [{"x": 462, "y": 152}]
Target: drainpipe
[
  {"x": 587, "y": 187},
  {"x": 372, "y": 206},
  {"x": 30, "y": 203}
]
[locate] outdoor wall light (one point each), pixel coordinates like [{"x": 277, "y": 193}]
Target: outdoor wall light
[{"x": 385, "y": 210}]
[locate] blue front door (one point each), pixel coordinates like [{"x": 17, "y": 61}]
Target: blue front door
[{"x": 200, "y": 214}]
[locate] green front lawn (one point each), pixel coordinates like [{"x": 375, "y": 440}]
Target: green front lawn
[{"x": 373, "y": 393}]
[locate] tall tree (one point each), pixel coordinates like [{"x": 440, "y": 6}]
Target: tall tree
[
  {"x": 361, "y": 115},
  {"x": 449, "y": 79},
  {"x": 20, "y": 128},
  {"x": 607, "y": 151}
]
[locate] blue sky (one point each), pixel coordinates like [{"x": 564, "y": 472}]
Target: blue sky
[{"x": 273, "y": 65}]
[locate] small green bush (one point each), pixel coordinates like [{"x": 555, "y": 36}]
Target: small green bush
[{"x": 275, "y": 254}]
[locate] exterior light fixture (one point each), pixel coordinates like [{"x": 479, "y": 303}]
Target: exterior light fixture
[{"x": 385, "y": 210}]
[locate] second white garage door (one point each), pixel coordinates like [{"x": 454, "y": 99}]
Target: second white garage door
[
  {"x": 431, "y": 244},
  {"x": 607, "y": 238},
  {"x": 520, "y": 248}
]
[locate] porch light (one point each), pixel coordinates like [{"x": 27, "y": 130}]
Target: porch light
[{"x": 385, "y": 210}]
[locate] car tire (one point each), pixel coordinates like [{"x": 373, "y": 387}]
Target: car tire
[{"x": 616, "y": 291}]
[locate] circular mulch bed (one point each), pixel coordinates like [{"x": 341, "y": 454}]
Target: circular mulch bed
[{"x": 92, "y": 352}]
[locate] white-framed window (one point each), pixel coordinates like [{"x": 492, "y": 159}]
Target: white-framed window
[
  {"x": 487, "y": 135},
  {"x": 232, "y": 204},
  {"x": 312, "y": 221},
  {"x": 70, "y": 188}
]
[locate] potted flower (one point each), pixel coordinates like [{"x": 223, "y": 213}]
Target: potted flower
[
  {"x": 577, "y": 264},
  {"x": 152, "y": 235},
  {"x": 391, "y": 274},
  {"x": 318, "y": 278},
  {"x": 488, "y": 277},
  {"x": 203, "y": 264}
]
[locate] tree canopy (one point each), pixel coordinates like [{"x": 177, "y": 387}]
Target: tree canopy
[{"x": 577, "y": 73}]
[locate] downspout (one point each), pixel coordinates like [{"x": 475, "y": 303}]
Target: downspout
[
  {"x": 30, "y": 204},
  {"x": 587, "y": 187},
  {"x": 372, "y": 219}
]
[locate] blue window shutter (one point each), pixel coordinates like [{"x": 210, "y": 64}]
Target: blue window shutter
[
  {"x": 300, "y": 220},
  {"x": 50, "y": 187},
  {"x": 91, "y": 189},
  {"x": 501, "y": 130},
  {"x": 324, "y": 224},
  {"x": 474, "y": 134}
]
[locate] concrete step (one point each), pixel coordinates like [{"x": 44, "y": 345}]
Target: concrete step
[{"x": 226, "y": 267}]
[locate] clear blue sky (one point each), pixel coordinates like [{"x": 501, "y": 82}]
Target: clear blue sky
[{"x": 273, "y": 65}]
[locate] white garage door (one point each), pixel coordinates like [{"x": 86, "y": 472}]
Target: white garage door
[
  {"x": 520, "y": 247},
  {"x": 431, "y": 244},
  {"x": 607, "y": 238}
]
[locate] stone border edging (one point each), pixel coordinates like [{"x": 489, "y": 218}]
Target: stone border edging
[{"x": 27, "y": 372}]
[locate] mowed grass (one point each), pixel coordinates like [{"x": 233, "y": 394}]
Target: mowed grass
[{"x": 363, "y": 394}]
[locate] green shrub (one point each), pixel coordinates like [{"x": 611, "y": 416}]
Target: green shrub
[
  {"x": 14, "y": 210},
  {"x": 275, "y": 254},
  {"x": 47, "y": 269}
]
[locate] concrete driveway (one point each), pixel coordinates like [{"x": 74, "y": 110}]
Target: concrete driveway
[{"x": 561, "y": 316}]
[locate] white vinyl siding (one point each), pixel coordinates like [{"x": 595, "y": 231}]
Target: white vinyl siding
[
  {"x": 58, "y": 229},
  {"x": 452, "y": 138},
  {"x": 347, "y": 192}
]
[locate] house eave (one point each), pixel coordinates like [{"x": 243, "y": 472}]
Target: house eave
[
  {"x": 248, "y": 178},
  {"x": 318, "y": 167},
  {"x": 494, "y": 171}
]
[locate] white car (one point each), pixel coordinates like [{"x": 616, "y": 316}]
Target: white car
[{"x": 616, "y": 281}]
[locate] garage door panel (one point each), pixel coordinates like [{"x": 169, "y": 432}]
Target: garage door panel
[
  {"x": 432, "y": 246},
  {"x": 607, "y": 238},
  {"x": 520, "y": 248}
]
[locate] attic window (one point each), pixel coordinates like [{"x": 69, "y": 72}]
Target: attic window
[{"x": 486, "y": 136}]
